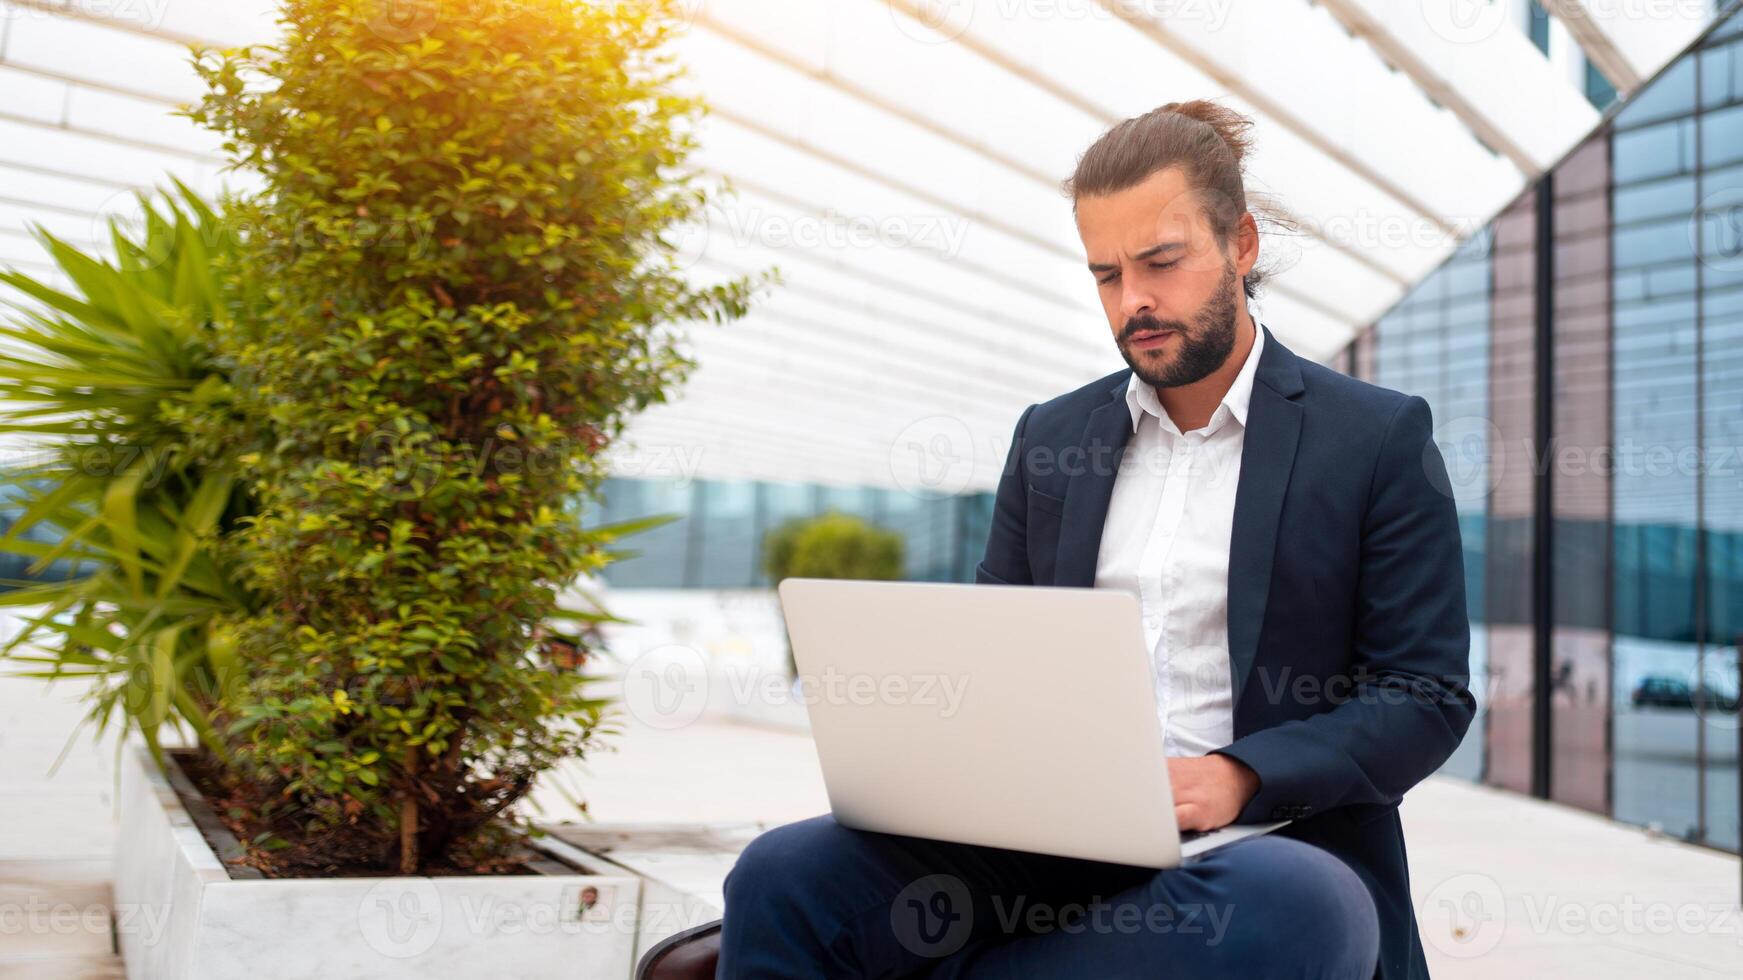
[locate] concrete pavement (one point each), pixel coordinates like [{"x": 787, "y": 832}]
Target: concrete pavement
[{"x": 1505, "y": 886}]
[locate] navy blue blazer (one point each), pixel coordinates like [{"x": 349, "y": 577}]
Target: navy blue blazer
[{"x": 1348, "y": 638}]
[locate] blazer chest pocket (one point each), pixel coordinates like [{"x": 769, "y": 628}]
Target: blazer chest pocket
[{"x": 1046, "y": 512}]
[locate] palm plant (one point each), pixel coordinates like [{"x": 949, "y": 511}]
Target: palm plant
[
  {"x": 117, "y": 383},
  {"x": 138, "y": 482}
]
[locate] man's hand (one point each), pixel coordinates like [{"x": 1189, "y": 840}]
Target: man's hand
[{"x": 1210, "y": 790}]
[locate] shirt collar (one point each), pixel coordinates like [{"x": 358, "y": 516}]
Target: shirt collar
[{"x": 1141, "y": 398}]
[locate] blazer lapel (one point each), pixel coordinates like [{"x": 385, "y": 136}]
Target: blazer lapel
[
  {"x": 1267, "y": 458},
  {"x": 1091, "y": 486}
]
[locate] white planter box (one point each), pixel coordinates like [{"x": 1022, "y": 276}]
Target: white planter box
[{"x": 179, "y": 915}]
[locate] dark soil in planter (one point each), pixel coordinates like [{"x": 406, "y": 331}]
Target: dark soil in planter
[{"x": 227, "y": 815}]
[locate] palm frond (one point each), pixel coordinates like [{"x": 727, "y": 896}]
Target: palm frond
[{"x": 101, "y": 377}]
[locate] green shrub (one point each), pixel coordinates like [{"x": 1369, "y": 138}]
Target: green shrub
[
  {"x": 467, "y": 295},
  {"x": 832, "y": 545}
]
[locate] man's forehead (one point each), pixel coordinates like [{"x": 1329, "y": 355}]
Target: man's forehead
[
  {"x": 1127, "y": 232},
  {"x": 1139, "y": 210}
]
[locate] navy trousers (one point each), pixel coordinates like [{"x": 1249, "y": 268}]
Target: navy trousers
[{"x": 815, "y": 899}]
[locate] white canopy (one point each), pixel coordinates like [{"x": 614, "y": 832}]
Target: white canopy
[{"x": 899, "y": 160}]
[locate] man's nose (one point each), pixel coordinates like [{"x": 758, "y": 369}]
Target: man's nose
[{"x": 1135, "y": 303}]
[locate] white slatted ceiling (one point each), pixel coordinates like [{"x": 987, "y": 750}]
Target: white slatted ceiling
[{"x": 968, "y": 298}]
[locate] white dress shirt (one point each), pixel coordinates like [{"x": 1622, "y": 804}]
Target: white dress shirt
[{"x": 1166, "y": 540}]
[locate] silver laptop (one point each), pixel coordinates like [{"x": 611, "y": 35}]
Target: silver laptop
[{"x": 1021, "y": 717}]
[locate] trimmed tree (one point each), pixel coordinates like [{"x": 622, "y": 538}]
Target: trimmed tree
[
  {"x": 831, "y": 545},
  {"x": 461, "y": 231}
]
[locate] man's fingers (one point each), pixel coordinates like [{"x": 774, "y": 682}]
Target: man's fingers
[{"x": 1190, "y": 816}]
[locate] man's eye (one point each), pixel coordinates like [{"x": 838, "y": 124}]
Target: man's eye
[{"x": 1159, "y": 266}]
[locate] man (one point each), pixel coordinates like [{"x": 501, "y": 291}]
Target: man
[{"x": 1292, "y": 539}]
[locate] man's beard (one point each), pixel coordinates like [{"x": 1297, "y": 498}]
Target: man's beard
[{"x": 1200, "y": 349}]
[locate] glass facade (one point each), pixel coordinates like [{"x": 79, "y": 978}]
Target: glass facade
[
  {"x": 1583, "y": 355},
  {"x": 1538, "y": 26},
  {"x": 716, "y": 540},
  {"x": 1439, "y": 347}
]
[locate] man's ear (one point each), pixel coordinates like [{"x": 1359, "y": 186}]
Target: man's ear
[{"x": 1247, "y": 244}]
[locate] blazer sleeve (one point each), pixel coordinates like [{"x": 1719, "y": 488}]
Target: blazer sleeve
[
  {"x": 1409, "y": 701},
  {"x": 1007, "y": 554}
]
